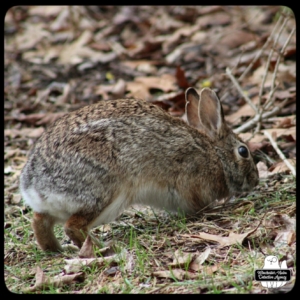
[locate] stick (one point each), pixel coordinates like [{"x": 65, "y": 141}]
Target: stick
[
  {"x": 269, "y": 60},
  {"x": 281, "y": 155},
  {"x": 261, "y": 51},
  {"x": 257, "y": 117},
  {"x": 273, "y": 88},
  {"x": 237, "y": 85}
]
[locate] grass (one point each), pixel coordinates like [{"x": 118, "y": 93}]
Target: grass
[{"x": 145, "y": 242}]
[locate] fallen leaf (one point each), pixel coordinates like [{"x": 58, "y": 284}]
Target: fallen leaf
[
  {"x": 61, "y": 21},
  {"x": 181, "y": 79},
  {"x": 43, "y": 282},
  {"x": 37, "y": 119},
  {"x": 181, "y": 258},
  {"x": 209, "y": 270},
  {"x": 70, "y": 54},
  {"x": 235, "y": 38},
  {"x": 284, "y": 220},
  {"x": 46, "y": 11},
  {"x": 258, "y": 137},
  {"x": 286, "y": 73},
  {"x": 25, "y": 132},
  {"x": 283, "y": 131},
  {"x": 253, "y": 146},
  {"x": 218, "y": 18},
  {"x": 75, "y": 264},
  {"x": 16, "y": 199},
  {"x": 200, "y": 259},
  {"x": 144, "y": 66},
  {"x": 9, "y": 153},
  {"x": 248, "y": 136},
  {"x": 119, "y": 88},
  {"x": 281, "y": 166},
  {"x": 223, "y": 241},
  {"x": 112, "y": 271},
  {"x": 175, "y": 273},
  {"x": 243, "y": 111},
  {"x": 164, "y": 22},
  {"x": 283, "y": 94},
  {"x": 284, "y": 228},
  {"x": 166, "y": 82},
  {"x": 87, "y": 250},
  {"x": 8, "y": 170},
  {"x": 263, "y": 171},
  {"x": 258, "y": 76},
  {"x": 285, "y": 237},
  {"x": 138, "y": 90},
  {"x": 49, "y": 118},
  {"x": 31, "y": 35}
]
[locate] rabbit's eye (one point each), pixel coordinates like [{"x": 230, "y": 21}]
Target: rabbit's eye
[{"x": 243, "y": 151}]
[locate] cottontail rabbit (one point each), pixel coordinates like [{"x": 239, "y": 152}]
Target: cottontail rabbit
[{"x": 93, "y": 163}]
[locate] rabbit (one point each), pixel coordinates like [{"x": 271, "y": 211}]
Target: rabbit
[{"x": 93, "y": 163}]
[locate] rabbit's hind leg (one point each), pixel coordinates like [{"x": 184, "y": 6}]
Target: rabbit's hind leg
[
  {"x": 42, "y": 226},
  {"x": 76, "y": 228}
]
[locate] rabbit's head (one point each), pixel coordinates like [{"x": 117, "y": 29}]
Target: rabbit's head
[{"x": 205, "y": 113}]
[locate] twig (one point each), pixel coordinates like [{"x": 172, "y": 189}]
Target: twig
[
  {"x": 260, "y": 113},
  {"x": 256, "y": 119},
  {"x": 261, "y": 51},
  {"x": 269, "y": 102},
  {"x": 281, "y": 155},
  {"x": 237, "y": 85},
  {"x": 280, "y": 55},
  {"x": 268, "y": 63}
]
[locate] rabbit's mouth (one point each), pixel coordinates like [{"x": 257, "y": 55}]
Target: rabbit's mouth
[{"x": 249, "y": 183}]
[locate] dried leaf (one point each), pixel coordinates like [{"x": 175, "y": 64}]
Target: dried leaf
[
  {"x": 285, "y": 229},
  {"x": 46, "y": 11},
  {"x": 70, "y": 54},
  {"x": 138, "y": 90},
  {"x": 209, "y": 270},
  {"x": 25, "y": 132},
  {"x": 284, "y": 94},
  {"x": 200, "y": 259},
  {"x": 44, "y": 282},
  {"x": 181, "y": 79},
  {"x": 243, "y": 111},
  {"x": 281, "y": 167},
  {"x": 174, "y": 273},
  {"x": 283, "y": 131},
  {"x": 285, "y": 238},
  {"x": 223, "y": 241},
  {"x": 119, "y": 88},
  {"x": 181, "y": 258},
  {"x": 87, "y": 250},
  {"x": 16, "y": 199},
  {"x": 9, "y": 153},
  {"x": 263, "y": 171},
  {"x": 286, "y": 73},
  {"x": 166, "y": 82},
  {"x": 218, "y": 18},
  {"x": 235, "y": 38},
  {"x": 285, "y": 221},
  {"x": 74, "y": 265},
  {"x": 49, "y": 118}
]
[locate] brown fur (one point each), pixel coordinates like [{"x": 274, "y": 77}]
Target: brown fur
[{"x": 42, "y": 226}]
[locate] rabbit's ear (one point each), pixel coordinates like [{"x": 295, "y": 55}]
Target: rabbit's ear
[
  {"x": 191, "y": 107},
  {"x": 210, "y": 113}
]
